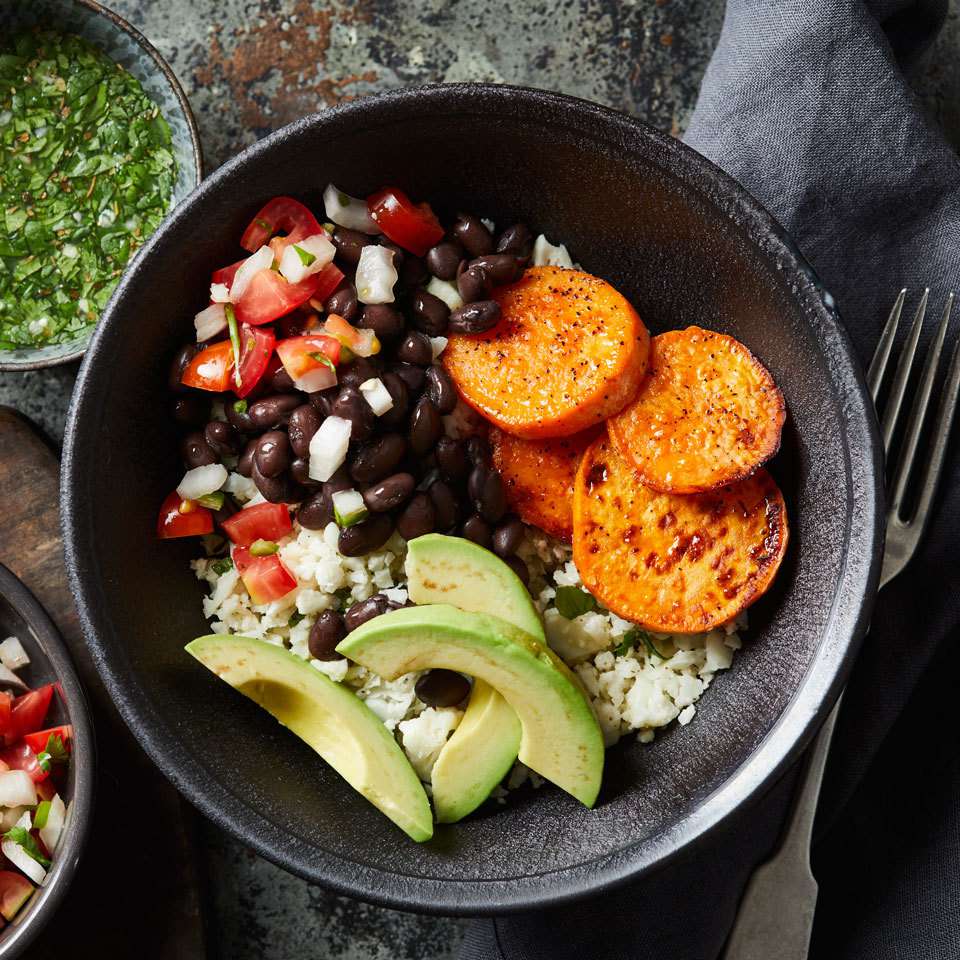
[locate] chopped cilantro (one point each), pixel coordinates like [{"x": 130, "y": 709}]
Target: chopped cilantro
[
  {"x": 21, "y": 836},
  {"x": 321, "y": 357},
  {"x": 295, "y": 618},
  {"x": 222, "y": 566},
  {"x": 234, "y": 342},
  {"x": 630, "y": 639},
  {"x": 240, "y": 406},
  {"x": 53, "y": 752},
  {"x": 573, "y": 602},
  {"x": 306, "y": 257},
  {"x": 343, "y": 597}
]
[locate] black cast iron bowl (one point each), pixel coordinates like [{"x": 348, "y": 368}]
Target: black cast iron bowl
[{"x": 686, "y": 245}]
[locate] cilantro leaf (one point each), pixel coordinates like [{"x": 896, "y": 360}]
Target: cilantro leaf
[
  {"x": 630, "y": 639},
  {"x": 222, "y": 565},
  {"x": 295, "y": 618},
  {"x": 572, "y": 602}
]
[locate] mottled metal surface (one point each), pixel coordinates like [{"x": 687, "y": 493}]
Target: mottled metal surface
[{"x": 249, "y": 67}]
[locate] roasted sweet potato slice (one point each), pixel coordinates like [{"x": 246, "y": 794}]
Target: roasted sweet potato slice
[
  {"x": 674, "y": 564},
  {"x": 539, "y": 476},
  {"x": 568, "y": 352},
  {"x": 708, "y": 415}
]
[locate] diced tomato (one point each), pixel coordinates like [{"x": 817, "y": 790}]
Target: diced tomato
[
  {"x": 15, "y": 891},
  {"x": 268, "y": 296},
  {"x": 280, "y": 215},
  {"x": 6, "y": 708},
  {"x": 172, "y": 523},
  {"x": 38, "y": 741},
  {"x": 330, "y": 277},
  {"x": 211, "y": 369},
  {"x": 226, "y": 274},
  {"x": 363, "y": 343},
  {"x": 266, "y": 578},
  {"x": 299, "y": 356},
  {"x": 256, "y": 345},
  {"x": 28, "y": 712},
  {"x": 46, "y": 789},
  {"x": 265, "y": 521},
  {"x": 411, "y": 225},
  {"x": 21, "y": 757}
]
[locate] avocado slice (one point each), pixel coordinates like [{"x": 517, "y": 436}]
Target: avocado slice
[
  {"x": 482, "y": 749},
  {"x": 328, "y": 717},
  {"x": 560, "y": 737}
]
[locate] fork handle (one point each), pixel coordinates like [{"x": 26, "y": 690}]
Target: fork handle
[{"x": 775, "y": 918}]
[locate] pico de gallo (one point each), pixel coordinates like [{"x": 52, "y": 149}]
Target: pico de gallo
[{"x": 34, "y": 761}]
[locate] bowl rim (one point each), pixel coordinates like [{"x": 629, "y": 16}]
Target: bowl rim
[
  {"x": 196, "y": 151},
  {"x": 20, "y": 932},
  {"x": 810, "y": 702}
]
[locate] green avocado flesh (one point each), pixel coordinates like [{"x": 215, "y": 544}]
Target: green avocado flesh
[
  {"x": 484, "y": 746},
  {"x": 329, "y": 718},
  {"x": 560, "y": 737}
]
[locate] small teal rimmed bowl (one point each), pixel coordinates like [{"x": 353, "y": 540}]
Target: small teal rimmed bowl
[{"x": 128, "y": 47}]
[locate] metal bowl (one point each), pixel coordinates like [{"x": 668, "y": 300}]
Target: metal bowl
[
  {"x": 685, "y": 244},
  {"x": 128, "y": 47},
  {"x": 22, "y": 617}
]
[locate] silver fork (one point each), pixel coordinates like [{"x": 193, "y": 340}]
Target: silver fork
[{"x": 775, "y": 918}]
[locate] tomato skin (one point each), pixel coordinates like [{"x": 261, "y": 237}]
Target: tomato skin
[
  {"x": 225, "y": 275},
  {"x": 280, "y": 215},
  {"x": 265, "y": 521},
  {"x": 6, "y": 709},
  {"x": 256, "y": 346},
  {"x": 330, "y": 277},
  {"x": 171, "y": 523},
  {"x": 266, "y": 578},
  {"x": 295, "y": 353},
  {"x": 22, "y": 757},
  {"x": 412, "y": 226},
  {"x": 211, "y": 368},
  {"x": 28, "y": 712},
  {"x": 37, "y": 741},
  {"x": 268, "y": 296}
]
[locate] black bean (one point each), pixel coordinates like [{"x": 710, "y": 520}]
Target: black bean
[
  {"x": 359, "y": 370},
  {"x": 364, "y": 538},
  {"x": 472, "y": 235},
  {"x": 364, "y": 610},
  {"x": 507, "y": 537},
  {"x": 294, "y": 324},
  {"x": 516, "y": 239},
  {"x": 383, "y": 319},
  {"x": 473, "y": 284},
  {"x": 519, "y": 568},
  {"x": 413, "y": 272},
  {"x": 238, "y": 413},
  {"x": 440, "y": 390},
  {"x": 500, "y": 268},
  {"x": 181, "y": 360},
  {"x": 442, "y": 688},
  {"x": 430, "y": 313},
  {"x": 492, "y": 503},
  {"x": 477, "y": 529},
  {"x": 351, "y": 406},
  {"x": 399, "y": 254},
  {"x": 378, "y": 458},
  {"x": 300, "y": 471},
  {"x": 478, "y": 451},
  {"x": 273, "y": 453},
  {"x": 410, "y": 374},
  {"x": 476, "y": 481},
  {"x": 222, "y": 437},
  {"x": 416, "y": 349},
  {"x": 475, "y": 317},
  {"x": 343, "y": 302},
  {"x": 349, "y": 243},
  {"x": 317, "y": 510},
  {"x": 323, "y": 399},
  {"x": 280, "y": 381},
  {"x": 417, "y": 518},
  {"x": 445, "y": 508},
  {"x": 452, "y": 459},
  {"x": 400, "y": 396},
  {"x": 389, "y": 493},
  {"x": 245, "y": 463},
  {"x": 191, "y": 410},
  {"x": 444, "y": 258},
  {"x": 279, "y": 489},
  {"x": 327, "y": 631},
  {"x": 195, "y": 451},
  {"x": 304, "y": 423},
  {"x": 272, "y": 412},
  {"x": 426, "y": 427}
]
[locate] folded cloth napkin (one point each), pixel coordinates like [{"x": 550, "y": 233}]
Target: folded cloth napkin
[{"x": 805, "y": 103}]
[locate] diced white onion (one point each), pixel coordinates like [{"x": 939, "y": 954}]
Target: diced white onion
[
  {"x": 219, "y": 293},
  {"x": 17, "y": 789},
  {"x": 9, "y": 679},
  {"x": 261, "y": 260},
  {"x": 211, "y": 321},
  {"x": 12, "y": 654},
  {"x": 446, "y": 291},
  {"x": 23, "y": 861},
  {"x": 328, "y": 448},
  {"x": 320, "y": 378},
  {"x": 347, "y": 211},
  {"x": 438, "y": 345},
  {"x": 200, "y": 481},
  {"x": 546, "y": 254},
  {"x": 50, "y": 832},
  {"x": 318, "y": 246},
  {"x": 377, "y": 396},
  {"x": 376, "y": 275},
  {"x": 257, "y": 498},
  {"x": 348, "y": 508}
]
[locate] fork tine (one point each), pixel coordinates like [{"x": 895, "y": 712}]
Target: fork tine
[
  {"x": 892, "y": 412},
  {"x": 881, "y": 356},
  {"x": 918, "y": 413}
]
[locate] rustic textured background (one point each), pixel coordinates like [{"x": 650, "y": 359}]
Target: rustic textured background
[{"x": 249, "y": 67}]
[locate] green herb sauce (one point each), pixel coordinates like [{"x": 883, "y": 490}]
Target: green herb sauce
[{"x": 86, "y": 175}]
